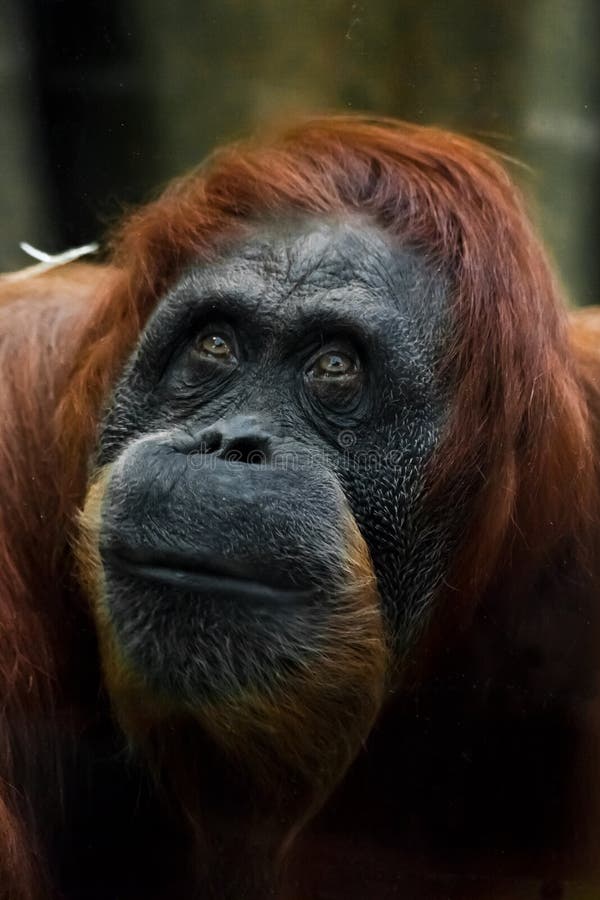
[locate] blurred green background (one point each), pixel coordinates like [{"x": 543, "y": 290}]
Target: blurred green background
[{"x": 102, "y": 102}]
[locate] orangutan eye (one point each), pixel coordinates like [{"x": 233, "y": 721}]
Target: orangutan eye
[
  {"x": 215, "y": 345},
  {"x": 333, "y": 364}
]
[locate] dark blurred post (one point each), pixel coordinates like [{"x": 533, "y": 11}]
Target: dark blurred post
[
  {"x": 95, "y": 126},
  {"x": 23, "y": 202}
]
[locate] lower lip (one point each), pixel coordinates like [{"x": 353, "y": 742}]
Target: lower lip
[{"x": 200, "y": 582}]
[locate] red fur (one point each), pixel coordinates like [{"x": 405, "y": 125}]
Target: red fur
[{"x": 524, "y": 425}]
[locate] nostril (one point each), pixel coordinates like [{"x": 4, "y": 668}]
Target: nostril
[
  {"x": 247, "y": 450},
  {"x": 239, "y": 439},
  {"x": 211, "y": 441}
]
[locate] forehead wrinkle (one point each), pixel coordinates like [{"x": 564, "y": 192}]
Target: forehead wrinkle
[
  {"x": 330, "y": 253},
  {"x": 235, "y": 279},
  {"x": 341, "y": 262},
  {"x": 304, "y": 278},
  {"x": 329, "y": 271}
]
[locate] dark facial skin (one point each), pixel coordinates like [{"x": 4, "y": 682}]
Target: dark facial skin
[{"x": 276, "y": 394}]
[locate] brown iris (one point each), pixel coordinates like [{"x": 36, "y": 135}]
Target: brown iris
[
  {"x": 215, "y": 345},
  {"x": 333, "y": 364}
]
